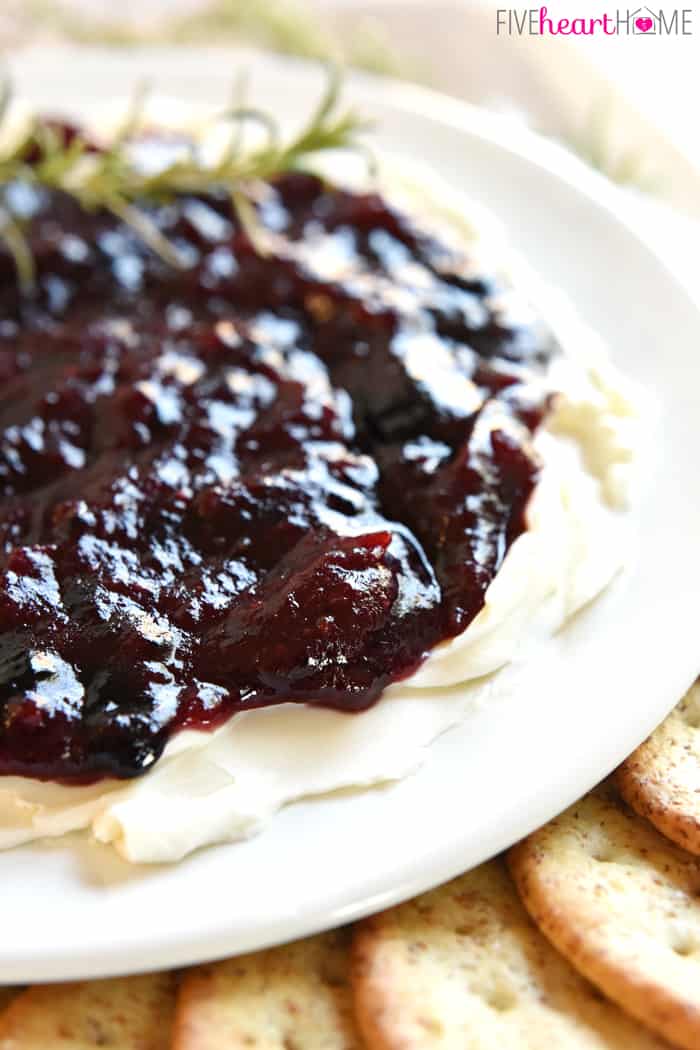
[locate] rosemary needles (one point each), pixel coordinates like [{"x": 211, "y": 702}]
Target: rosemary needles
[{"x": 110, "y": 179}]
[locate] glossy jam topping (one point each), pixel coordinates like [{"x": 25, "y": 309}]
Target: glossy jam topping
[{"x": 267, "y": 477}]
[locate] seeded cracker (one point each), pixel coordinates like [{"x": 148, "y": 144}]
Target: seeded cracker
[
  {"x": 621, "y": 903},
  {"x": 661, "y": 779},
  {"x": 295, "y": 997},
  {"x": 6, "y": 997},
  {"x": 132, "y": 1013},
  {"x": 464, "y": 968}
]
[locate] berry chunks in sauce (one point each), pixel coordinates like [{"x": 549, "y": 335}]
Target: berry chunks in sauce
[{"x": 262, "y": 478}]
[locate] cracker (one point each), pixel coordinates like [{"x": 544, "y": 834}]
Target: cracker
[
  {"x": 6, "y": 997},
  {"x": 661, "y": 779},
  {"x": 296, "y": 997},
  {"x": 621, "y": 903},
  {"x": 130, "y": 1013},
  {"x": 464, "y": 967}
]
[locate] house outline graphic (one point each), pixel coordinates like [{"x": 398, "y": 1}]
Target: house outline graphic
[{"x": 644, "y": 12}]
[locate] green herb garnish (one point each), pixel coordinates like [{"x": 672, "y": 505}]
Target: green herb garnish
[{"x": 110, "y": 179}]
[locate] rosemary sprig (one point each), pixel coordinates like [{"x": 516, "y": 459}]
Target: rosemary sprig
[{"x": 111, "y": 180}]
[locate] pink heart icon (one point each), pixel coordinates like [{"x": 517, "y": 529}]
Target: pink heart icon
[{"x": 644, "y": 24}]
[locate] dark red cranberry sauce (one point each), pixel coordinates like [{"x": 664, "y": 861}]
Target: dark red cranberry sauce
[{"x": 266, "y": 477}]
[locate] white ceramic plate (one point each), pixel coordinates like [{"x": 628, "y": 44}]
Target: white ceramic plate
[{"x": 71, "y": 909}]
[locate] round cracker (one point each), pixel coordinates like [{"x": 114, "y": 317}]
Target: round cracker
[
  {"x": 661, "y": 779},
  {"x": 6, "y": 996},
  {"x": 130, "y": 1013},
  {"x": 621, "y": 903},
  {"x": 463, "y": 966},
  {"x": 296, "y": 997}
]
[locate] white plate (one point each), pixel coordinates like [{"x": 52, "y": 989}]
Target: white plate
[{"x": 71, "y": 909}]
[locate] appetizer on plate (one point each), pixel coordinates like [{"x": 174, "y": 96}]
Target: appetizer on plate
[{"x": 279, "y": 460}]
